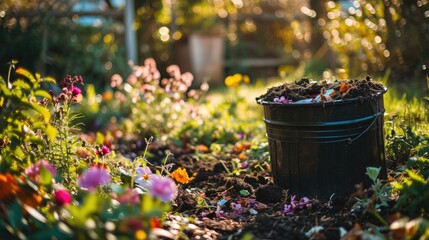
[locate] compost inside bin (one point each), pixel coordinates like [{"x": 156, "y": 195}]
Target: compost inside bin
[{"x": 306, "y": 91}]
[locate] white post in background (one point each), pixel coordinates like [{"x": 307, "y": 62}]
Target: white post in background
[{"x": 130, "y": 34}]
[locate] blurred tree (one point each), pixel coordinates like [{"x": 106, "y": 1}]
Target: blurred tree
[
  {"x": 375, "y": 36},
  {"x": 321, "y": 51},
  {"x": 49, "y": 37}
]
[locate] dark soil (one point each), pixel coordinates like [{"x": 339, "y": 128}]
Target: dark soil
[
  {"x": 305, "y": 89},
  {"x": 214, "y": 184}
]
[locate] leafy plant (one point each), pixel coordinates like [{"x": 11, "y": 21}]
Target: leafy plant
[
  {"x": 402, "y": 145},
  {"x": 413, "y": 187},
  {"x": 25, "y": 124},
  {"x": 377, "y": 196}
]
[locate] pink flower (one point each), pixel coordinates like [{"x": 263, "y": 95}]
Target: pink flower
[
  {"x": 62, "y": 197},
  {"x": 34, "y": 170},
  {"x": 163, "y": 188},
  {"x": 116, "y": 80},
  {"x": 94, "y": 177},
  {"x": 282, "y": 100}
]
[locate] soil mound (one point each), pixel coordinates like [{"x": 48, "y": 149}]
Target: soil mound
[{"x": 306, "y": 91}]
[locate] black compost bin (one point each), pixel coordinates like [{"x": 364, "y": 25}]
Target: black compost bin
[{"x": 318, "y": 149}]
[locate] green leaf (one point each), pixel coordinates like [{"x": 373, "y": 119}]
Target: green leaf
[
  {"x": 373, "y": 172},
  {"x": 99, "y": 138},
  {"x": 91, "y": 204},
  {"x": 81, "y": 213},
  {"x": 38, "y": 125},
  {"x": 244, "y": 193},
  {"x": 147, "y": 203},
  {"x": 24, "y": 72},
  {"x": 45, "y": 176},
  {"x": 415, "y": 177},
  {"x": 49, "y": 79},
  {"x": 14, "y": 215},
  {"x": 21, "y": 83},
  {"x": 4, "y": 91},
  {"x": 35, "y": 140},
  {"x": 126, "y": 178},
  {"x": 51, "y": 132},
  {"x": 42, "y": 93},
  {"x": 43, "y": 111}
]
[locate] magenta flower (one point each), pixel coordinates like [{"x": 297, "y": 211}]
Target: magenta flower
[
  {"x": 163, "y": 188},
  {"x": 62, "y": 197},
  {"x": 75, "y": 91},
  {"x": 103, "y": 151},
  {"x": 94, "y": 177},
  {"x": 34, "y": 170}
]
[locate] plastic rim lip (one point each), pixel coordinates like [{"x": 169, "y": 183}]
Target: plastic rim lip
[{"x": 327, "y": 103}]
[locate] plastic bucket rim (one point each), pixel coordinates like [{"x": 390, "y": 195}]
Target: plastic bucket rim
[{"x": 327, "y": 103}]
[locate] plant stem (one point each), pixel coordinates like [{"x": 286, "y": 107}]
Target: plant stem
[{"x": 379, "y": 217}]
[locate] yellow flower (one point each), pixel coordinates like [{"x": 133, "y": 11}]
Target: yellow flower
[
  {"x": 246, "y": 79},
  {"x": 236, "y": 79},
  {"x": 180, "y": 175},
  {"x": 140, "y": 235}
]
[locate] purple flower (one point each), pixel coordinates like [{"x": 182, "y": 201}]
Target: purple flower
[
  {"x": 293, "y": 202},
  {"x": 163, "y": 188},
  {"x": 144, "y": 176},
  {"x": 282, "y": 100},
  {"x": 62, "y": 197},
  {"x": 237, "y": 208},
  {"x": 34, "y": 170},
  {"x": 94, "y": 177},
  {"x": 304, "y": 202},
  {"x": 289, "y": 209}
]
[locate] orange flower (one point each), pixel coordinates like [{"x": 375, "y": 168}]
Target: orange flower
[
  {"x": 180, "y": 175},
  {"x": 8, "y": 186},
  {"x": 30, "y": 197},
  {"x": 202, "y": 148}
]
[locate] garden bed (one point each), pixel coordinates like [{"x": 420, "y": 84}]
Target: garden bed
[
  {"x": 57, "y": 181},
  {"x": 262, "y": 213}
]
